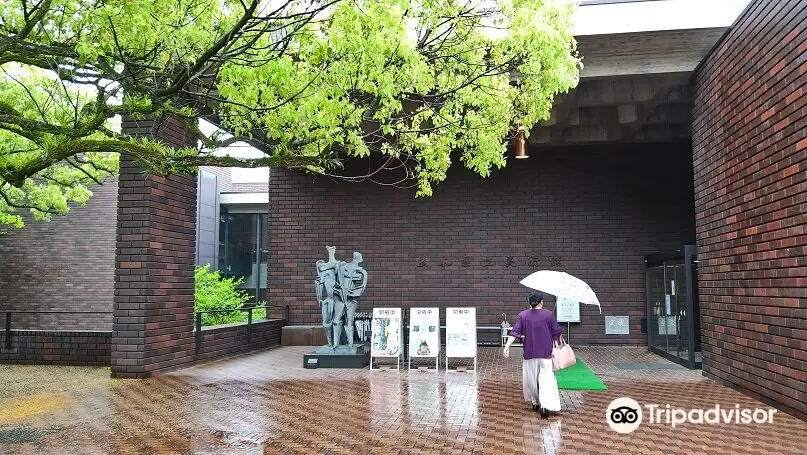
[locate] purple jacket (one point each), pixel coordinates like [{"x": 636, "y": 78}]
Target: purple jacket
[{"x": 539, "y": 329}]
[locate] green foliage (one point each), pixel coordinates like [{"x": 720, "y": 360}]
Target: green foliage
[
  {"x": 213, "y": 292},
  {"x": 313, "y": 82},
  {"x": 53, "y": 189}
]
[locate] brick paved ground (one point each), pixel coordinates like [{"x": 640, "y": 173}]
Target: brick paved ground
[{"x": 267, "y": 403}]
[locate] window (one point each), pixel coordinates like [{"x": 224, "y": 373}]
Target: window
[{"x": 244, "y": 252}]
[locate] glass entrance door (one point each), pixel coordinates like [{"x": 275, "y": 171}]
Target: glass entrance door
[
  {"x": 657, "y": 327},
  {"x": 672, "y": 306}
]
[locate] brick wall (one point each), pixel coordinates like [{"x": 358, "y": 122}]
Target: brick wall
[
  {"x": 153, "y": 314},
  {"x": 594, "y": 212},
  {"x": 94, "y": 348},
  {"x": 224, "y": 341},
  {"x": 56, "y": 347},
  {"x": 750, "y": 167},
  {"x": 67, "y": 264}
]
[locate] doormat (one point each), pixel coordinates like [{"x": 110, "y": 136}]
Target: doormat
[{"x": 579, "y": 377}]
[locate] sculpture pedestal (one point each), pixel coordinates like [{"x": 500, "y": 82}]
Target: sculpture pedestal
[{"x": 342, "y": 357}]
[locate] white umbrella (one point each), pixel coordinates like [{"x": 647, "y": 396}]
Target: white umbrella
[{"x": 561, "y": 284}]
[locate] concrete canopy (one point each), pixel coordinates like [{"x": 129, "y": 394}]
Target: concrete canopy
[{"x": 638, "y": 57}]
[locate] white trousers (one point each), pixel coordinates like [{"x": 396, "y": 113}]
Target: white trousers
[{"x": 540, "y": 385}]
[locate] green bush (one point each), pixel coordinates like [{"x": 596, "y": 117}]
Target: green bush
[{"x": 213, "y": 292}]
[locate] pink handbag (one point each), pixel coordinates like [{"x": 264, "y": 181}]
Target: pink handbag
[{"x": 562, "y": 355}]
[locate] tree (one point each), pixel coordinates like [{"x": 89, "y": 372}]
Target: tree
[{"x": 309, "y": 82}]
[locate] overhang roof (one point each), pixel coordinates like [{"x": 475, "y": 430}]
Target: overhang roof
[
  {"x": 638, "y": 57},
  {"x": 633, "y": 37}
]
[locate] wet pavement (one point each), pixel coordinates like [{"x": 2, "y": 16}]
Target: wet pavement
[{"x": 266, "y": 403}]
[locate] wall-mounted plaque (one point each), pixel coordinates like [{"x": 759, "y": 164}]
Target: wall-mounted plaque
[{"x": 617, "y": 325}]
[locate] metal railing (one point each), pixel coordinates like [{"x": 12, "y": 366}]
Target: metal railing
[
  {"x": 60, "y": 312},
  {"x": 198, "y": 320}
]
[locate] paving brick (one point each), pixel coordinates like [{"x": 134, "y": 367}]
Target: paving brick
[{"x": 268, "y": 403}]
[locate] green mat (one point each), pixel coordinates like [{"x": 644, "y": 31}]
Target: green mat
[{"x": 579, "y": 377}]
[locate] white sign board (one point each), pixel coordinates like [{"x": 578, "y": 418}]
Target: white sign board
[
  {"x": 667, "y": 325},
  {"x": 387, "y": 333},
  {"x": 460, "y": 332},
  {"x": 424, "y": 332},
  {"x": 568, "y": 310}
]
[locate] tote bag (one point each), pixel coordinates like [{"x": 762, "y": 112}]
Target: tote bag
[{"x": 562, "y": 355}]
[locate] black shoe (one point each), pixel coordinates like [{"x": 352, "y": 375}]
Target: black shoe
[
  {"x": 535, "y": 408},
  {"x": 544, "y": 412}
]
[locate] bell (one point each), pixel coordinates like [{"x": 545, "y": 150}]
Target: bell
[{"x": 521, "y": 144}]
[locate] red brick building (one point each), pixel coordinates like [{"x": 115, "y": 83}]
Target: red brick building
[
  {"x": 593, "y": 211},
  {"x": 749, "y": 137},
  {"x": 695, "y": 136}
]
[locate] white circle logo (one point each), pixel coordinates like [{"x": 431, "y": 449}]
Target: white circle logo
[{"x": 624, "y": 415}]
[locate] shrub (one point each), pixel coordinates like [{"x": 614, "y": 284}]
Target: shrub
[{"x": 214, "y": 292}]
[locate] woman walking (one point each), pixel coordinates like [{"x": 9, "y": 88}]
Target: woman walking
[{"x": 539, "y": 330}]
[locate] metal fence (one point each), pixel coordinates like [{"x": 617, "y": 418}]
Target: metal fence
[{"x": 249, "y": 310}]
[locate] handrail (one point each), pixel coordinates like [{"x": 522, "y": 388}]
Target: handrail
[
  {"x": 198, "y": 320},
  {"x": 229, "y": 310}
]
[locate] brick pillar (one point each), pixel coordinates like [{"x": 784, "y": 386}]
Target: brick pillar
[{"x": 155, "y": 258}]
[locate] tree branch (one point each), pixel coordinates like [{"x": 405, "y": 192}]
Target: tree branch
[
  {"x": 31, "y": 21},
  {"x": 207, "y": 55}
]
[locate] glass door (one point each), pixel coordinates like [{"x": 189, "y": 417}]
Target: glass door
[
  {"x": 669, "y": 319},
  {"x": 673, "y": 320},
  {"x": 655, "y": 290},
  {"x": 681, "y": 320}
]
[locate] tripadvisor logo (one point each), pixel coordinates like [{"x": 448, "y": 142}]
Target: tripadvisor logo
[{"x": 624, "y": 415}]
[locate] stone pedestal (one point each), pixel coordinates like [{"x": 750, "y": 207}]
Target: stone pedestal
[{"x": 342, "y": 357}]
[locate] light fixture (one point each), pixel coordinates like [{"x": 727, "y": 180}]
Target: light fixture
[{"x": 521, "y": 144}]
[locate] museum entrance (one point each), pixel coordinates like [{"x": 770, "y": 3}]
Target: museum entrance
[{"x": 672, "y": 306}]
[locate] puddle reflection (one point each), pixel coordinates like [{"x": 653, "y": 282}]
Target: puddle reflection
[
  {"x": 423, "y": 400},
  {"x": 386, "y": 402},
  {"x": 462, "y": 402},
  {"x": 543, "y": 438}
]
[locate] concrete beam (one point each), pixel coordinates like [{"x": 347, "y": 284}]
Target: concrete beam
[{"x": 656, "y": 52}]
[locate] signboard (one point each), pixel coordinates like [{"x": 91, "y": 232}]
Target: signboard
[
  {"x": 461, "y": 332},
  {"x": 387, "y": 333},
  {"x": 667, "y": 325},
  {"x": 424, "y": 332},
  {"x": 568, "y": 310},
  {"x": 617, "y": 325}
]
